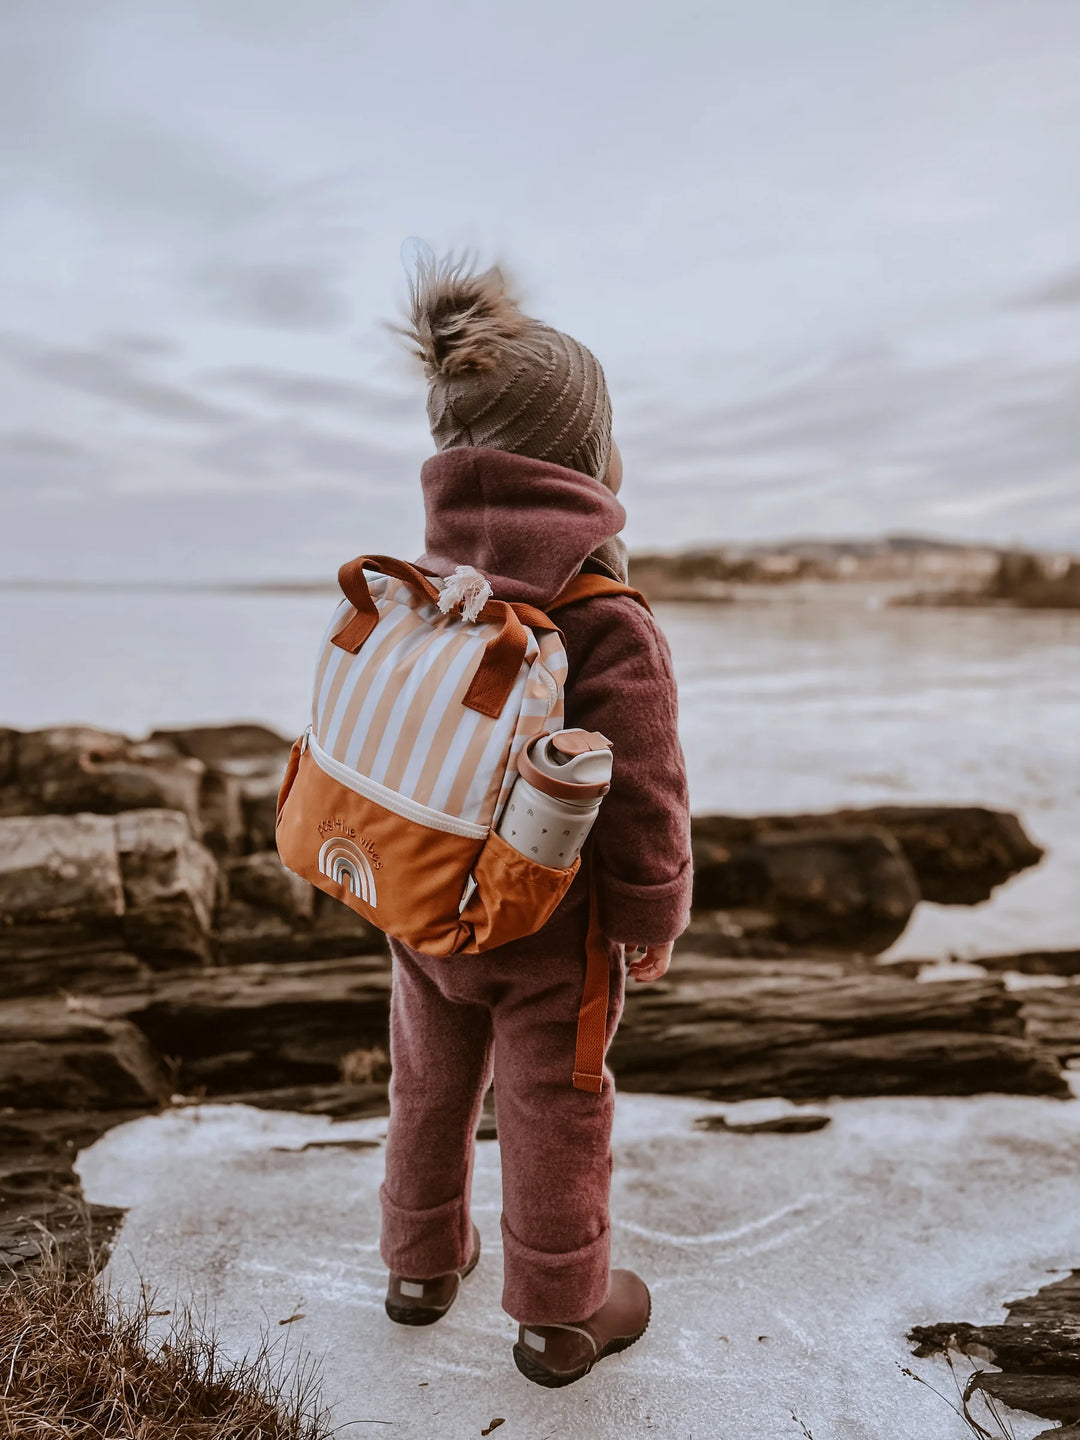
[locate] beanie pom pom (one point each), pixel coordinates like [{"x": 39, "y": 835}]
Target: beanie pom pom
[
  {"x": 469, "y": 589},
  {"x": 458, "y": 320}
]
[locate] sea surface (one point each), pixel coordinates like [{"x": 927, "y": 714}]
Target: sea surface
[{"x": 787, "y": 704}]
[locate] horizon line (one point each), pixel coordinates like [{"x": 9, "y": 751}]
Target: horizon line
[{"x": 329, "y": 585}]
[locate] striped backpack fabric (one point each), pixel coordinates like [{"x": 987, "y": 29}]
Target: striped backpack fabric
[{"x": 426, "y": 690}]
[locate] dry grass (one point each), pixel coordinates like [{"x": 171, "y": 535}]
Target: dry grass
[
  {"x": 961, "y": 1406},
  {"x": 76, "y": 1363}
]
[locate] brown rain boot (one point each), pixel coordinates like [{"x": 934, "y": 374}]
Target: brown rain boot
[
  {"x": 555, "y": 1355},
  {"x": 422, "y": 1302}
]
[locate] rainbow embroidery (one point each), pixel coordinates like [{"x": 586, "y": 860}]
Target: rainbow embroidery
[{"x": 342, "y": 860}]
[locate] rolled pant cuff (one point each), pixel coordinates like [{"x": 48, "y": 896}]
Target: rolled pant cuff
[
  {"x": 421, "y": 1244},
  {"x": 545, "y": 1288}
]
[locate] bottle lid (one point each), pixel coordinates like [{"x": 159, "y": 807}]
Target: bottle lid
[
  {"x": 572, "y": 765},
  {"x": 578, "y": 742}
]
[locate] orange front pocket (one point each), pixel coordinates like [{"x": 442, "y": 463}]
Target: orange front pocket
[
  {"x": 514, "y": 896},
  {"x": 406, "y": 878}
]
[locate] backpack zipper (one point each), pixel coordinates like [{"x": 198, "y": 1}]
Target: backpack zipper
[{"x": 389, "y": 799}]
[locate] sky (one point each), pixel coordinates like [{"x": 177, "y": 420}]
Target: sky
[{"x": 828, "y": 252}]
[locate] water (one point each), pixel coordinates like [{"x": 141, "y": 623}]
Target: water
[{"x": 787, "y": 704}]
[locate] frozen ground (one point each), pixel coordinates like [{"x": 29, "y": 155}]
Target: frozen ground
[{"x": 785, "y": 1269}]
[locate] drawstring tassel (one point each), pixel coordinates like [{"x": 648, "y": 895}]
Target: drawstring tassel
[{"x": 469, "y": 589}]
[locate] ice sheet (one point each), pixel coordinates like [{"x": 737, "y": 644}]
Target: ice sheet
[{"x": 785, "y": 1269}]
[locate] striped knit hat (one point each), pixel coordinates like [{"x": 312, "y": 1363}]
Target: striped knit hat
[{"x": 497, "y": 378}]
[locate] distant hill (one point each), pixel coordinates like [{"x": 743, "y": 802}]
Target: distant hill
[{"x": 928, "y": 569}]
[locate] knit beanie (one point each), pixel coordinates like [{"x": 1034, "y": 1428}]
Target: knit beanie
[{"x": 499, "y": 379}]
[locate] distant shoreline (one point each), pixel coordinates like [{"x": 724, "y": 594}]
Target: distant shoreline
[{"x": 907, "y": 570}]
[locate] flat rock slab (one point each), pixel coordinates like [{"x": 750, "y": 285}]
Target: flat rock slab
[
  {"x": 843, "y": 888},
  {"x": 58, "y": 868},
  {"x": 64, "y": 1057},
  {"x": 958, "y": 853},
  {"x": 786, "y": 1269},
  {"x": 734, "y": 1029},
  {"x": 1037, "y": 1349}
]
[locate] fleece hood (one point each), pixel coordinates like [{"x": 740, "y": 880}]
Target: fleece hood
[{"x": 527, "y": 525}]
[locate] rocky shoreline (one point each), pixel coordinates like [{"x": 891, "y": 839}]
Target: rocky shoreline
[
  {"x": 908, "y": 570},
  {"x": 1020, "y": 582},
  {"x": 154, "y": 953},
  {"x": 1036, "y": 1349}
]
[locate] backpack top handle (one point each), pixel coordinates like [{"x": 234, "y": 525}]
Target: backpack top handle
[
  {"x": 504, "y": 653},
  {"x": 354, "y": 587}
]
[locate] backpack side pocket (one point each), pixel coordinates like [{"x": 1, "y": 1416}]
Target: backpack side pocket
[{"x": 514, "y": 896}]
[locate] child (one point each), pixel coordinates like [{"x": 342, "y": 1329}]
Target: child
[{"x": 524, "y": 489}]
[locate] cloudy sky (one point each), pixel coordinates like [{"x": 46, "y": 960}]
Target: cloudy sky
[{"x": 827, "y": 250}]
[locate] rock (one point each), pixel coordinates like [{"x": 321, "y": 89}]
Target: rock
[
  {"x": 847, "y": 888},
  {"x": 263, "y": 881},
  {"x": 959, "y": 853},
  {"x": 1037, "y": 1349},
  {"x": 67, "y": 881},
  {"x": 796, "y": 1122},
  {"x": 1054, "y": 1397},
  {"x": 723, "y": 1030},
  {"x": 735, "y": 934},
  {"x": 221, "y": 807},
  {"x": 254, "y": 757},
  {"x": 46, "y": 969},
  {"x": 1034, "y": 962},
  {"x": 248, "y": 934},
  {"x": 170, "y": 887},
  {"x": 258, "y": 800},
  {"x": 336, "y": 925},
  {"x": 60, "y": 1227},
  {"x": 261, "y": 1027},
  {"x": 14, "y": 801},
  {"x": 719, "y": 1029},
  {"x": 222, "y": 745},
  {"x": 897, "y": 1063},
  {"x": 59, "y": 870},
  {"x": 56, "y": 1056},
  {"x": 1052, "y": 1017},
  {"x": 356, "y": 1146},
  {"x": 340, "y": 1101},
  {"x": 38, "y": 1149},
  {"x": 72, "y": 768},
  {"x": 8, "y": 740},
  {"x": 41, "y": 1203}
]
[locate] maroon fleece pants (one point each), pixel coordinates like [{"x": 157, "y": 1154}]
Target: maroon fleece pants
[{"x": 513, "y": 1013}]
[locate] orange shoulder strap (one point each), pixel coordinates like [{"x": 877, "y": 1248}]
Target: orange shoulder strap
[
  {"x": 595, "y": 1000},
  {"x": 588, "y": 584}
]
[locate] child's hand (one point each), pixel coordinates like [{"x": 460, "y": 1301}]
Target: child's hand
[{"x": 652, "y": 964}]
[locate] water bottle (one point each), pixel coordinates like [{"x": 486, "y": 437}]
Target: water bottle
[{"x": 561, "y": 781}]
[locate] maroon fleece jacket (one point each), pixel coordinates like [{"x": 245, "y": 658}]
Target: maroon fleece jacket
[{"x": 528, "y": 526}]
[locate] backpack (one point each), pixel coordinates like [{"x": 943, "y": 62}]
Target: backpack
[{"x": 426, "y": 691}]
